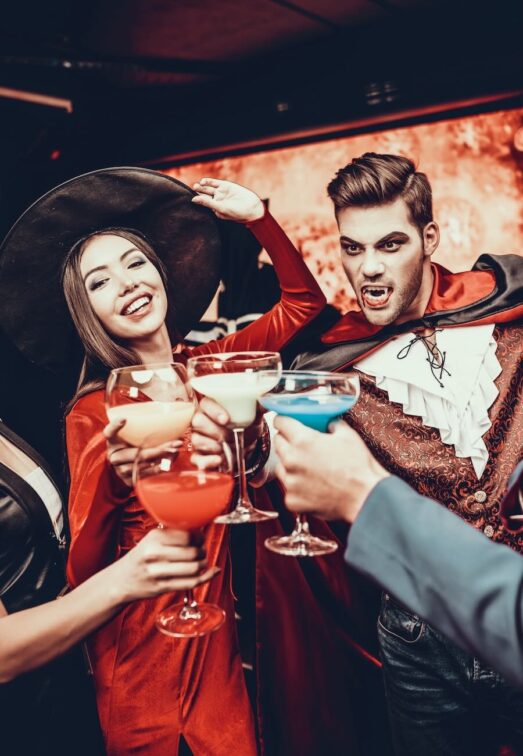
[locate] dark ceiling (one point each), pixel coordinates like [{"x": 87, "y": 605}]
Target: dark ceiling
[{"x": 145, "y": 81}]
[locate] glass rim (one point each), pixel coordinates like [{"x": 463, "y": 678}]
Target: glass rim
[
  {"x": 325, "y": 374},
  {"x": 149, "y": 366},
  {"x": 254, "y": 356},
  {"x": 181, "y": 444}
]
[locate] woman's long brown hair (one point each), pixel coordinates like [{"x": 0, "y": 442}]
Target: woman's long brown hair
[{"x": 103, "y": 352}]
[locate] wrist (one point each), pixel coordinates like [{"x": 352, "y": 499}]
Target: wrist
[
  {"x": 119, "y": 490},
  {"x": 260, "y": 454},
  {"x": 360, "y": 490},
  {"x": 256, "y": 215},
  {"x": 118, "y": 594}
]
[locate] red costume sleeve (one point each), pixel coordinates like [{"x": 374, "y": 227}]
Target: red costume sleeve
[
  {"x": 96, "y": 493},
  {"x": 301, "y": 297}
]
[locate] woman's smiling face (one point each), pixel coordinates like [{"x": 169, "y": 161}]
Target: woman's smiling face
[{"x": 123, "y": 287}]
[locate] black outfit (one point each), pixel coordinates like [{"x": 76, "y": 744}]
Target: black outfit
[{"x": 49, "y": 711}]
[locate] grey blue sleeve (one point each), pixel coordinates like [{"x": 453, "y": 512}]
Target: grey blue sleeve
[{"x": 445, "y": 571}]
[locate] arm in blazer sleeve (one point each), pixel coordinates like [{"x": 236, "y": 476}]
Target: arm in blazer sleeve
[{"x": 445, "y": 571}]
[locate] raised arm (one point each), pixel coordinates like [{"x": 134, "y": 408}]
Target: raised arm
[
  {"x": 301, "y": 298},
  {"x": 97, "y": 495}
]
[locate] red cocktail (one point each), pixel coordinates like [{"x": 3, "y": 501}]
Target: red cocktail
[
  {"x": 181, "y": 496},
  {"x": 186, "y": 500}
]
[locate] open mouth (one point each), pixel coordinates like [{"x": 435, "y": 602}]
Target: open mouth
[
  {"x": 376, "y": 296},
  {"x": 137, "y": 305}
]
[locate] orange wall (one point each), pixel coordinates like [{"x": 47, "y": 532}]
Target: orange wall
[{"x": 474, "y": 167}]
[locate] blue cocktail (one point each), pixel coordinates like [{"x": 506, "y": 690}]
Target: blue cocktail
[
  {"x": 315, "y": 399},
  {"x": 314, "y": 411}
]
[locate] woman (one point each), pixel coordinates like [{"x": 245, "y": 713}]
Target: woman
[
  {"x": 45, "y": 694},
  {"x": 151, "y": 689}
]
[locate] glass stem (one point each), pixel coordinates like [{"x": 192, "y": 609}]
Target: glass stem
[
  {"x": 243, "y": 496},
  {"x": 301, "y": 527},
  {"x": 189, "y": 610}
]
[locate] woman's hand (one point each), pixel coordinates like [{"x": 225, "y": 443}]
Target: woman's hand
[
  {"x": 228, "y": 200},
  {"x": 210, "y": 432},
  {"x": 119, "y": 453},
  {"x": 164, "y": 560},
  {"x": 122, "y": 456}
]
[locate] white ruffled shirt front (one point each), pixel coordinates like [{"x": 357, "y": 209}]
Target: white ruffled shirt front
[{"x": 459, "y": 408}]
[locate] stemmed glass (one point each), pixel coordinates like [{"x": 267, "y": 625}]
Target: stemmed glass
[
  {"x": 236, "y": 380},
  {"x": 315, "y": 399},
  {"x": 177, "y": 494},
  {"x": 156, "y": 401}
]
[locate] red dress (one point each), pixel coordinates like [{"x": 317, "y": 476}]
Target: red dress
[{"x": 151, "y": 689}]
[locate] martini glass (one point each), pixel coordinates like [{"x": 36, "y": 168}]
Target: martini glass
[
  {"x": 177, "y": 494},
  {"x": 236, "y": 380},
  {"x": 315, "y": 399},
  {"x": 156, "y": 401}
]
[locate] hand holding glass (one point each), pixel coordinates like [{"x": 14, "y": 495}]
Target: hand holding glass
[
  {"x": 236, "y": 380},
  {"x": 315, "y": 399},
  {"x": 155, "y": 401},
  {"x": 179, "y": 495},
  {"x": 158, "y": 403}
]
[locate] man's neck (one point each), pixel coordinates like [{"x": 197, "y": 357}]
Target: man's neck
[{"x": 419, "y": 304}]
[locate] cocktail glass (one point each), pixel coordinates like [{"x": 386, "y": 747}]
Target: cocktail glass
[
  {"x": 156, "y": 401},
  {"x": 236, "y": 380},
  {"x": 315, "y": 399},
  {"x": 179, "y": 495}
]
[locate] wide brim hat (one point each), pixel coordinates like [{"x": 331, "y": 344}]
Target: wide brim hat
[{"x": 185, "y": 236}]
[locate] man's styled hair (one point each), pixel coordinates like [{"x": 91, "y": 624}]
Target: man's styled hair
[{"x": 374, "y": 179}]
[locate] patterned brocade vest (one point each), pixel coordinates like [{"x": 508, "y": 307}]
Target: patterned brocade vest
[{"x": 416, "y": 453}]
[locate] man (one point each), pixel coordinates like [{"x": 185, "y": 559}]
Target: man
[
  {"x": 439, "y": 358},
  {"x": 410, "y": 545}
]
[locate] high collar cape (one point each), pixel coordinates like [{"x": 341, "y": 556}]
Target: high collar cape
[{"x": 492, "y": 292}]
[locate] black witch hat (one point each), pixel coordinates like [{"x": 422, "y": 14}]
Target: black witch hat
[{"x": 33, "y": 312}]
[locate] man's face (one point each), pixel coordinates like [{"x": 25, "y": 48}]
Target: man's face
[{"x": 387, "y": 261}]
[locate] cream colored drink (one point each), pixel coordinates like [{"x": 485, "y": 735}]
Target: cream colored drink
[
  {"x": 158, "y": 422},
  {"x": 236, "y": 392}
]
